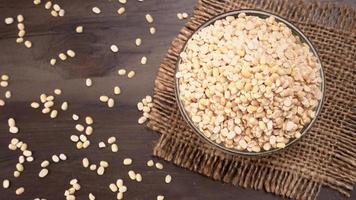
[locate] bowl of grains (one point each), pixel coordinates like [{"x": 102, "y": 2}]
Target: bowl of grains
[{"x": 249, "y": 82}]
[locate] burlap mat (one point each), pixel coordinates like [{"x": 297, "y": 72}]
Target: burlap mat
[{"x": 326, "y": 156}]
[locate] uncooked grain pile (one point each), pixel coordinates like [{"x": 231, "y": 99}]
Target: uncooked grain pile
[{"x": 249, "y": 83}]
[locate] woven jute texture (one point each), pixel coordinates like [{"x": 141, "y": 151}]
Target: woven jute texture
[{"x": 326, "y": 156}]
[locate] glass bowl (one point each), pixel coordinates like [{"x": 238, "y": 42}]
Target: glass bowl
[{"x": 303, "y": 39}]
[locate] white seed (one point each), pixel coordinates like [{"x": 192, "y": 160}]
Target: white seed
[
  {"x": 89, "y": 120},
  {"x": 48, "y": 5},
  {"x": 27, "y": 153},
  {"x": 43, "y": 98},
  {"x": 127, "y": 161},
  {"x": 160, "y": 197},
  {"x": 22, "y": 159},
  {"x": 11, "y": 122},
  {"x": 79, "y": 127},
  {"x": 79, "y": 29},
  {"x": 73, "y": 181},
  {"x": 28, "y": 44},
  {"x": 79, "y": 145},
  {"x": 122, "y": 1},
  {"x": 159, "y": 165},
  {"x": 55, "y": 158},
  {"x": 101, "y": 145},
  {"x": 149, "y": 18},
  {"x": 30, "y": 159},
  {"x": 62, "y": 56},
  {"x": 23, "y": 147},
  {"x": 185, "y": 15},
  {"x": 168, "y": 178},
  {"x": 142, "y": 120},
  {"x": 150, "y": 163},
  {"x": 20, "y": 190},
  {"x": 43, "y": 173},
  {"x": 61, "y": 12},
  {"x": 85, "y": 162},
  {"x": 111, "y": 140},
  {"x": 57, "y": 91},
  {"x": 54, "y": 114},
  {"x": 88, "y": 82},
  {"x": 64, "y": 106},
  {"x": 131, "y": 74},
  {"x": 104, "y": 163},
  {"x": 152, "y": 30},
  {"x": 5, "y": 183},
  {"x": 63, "y": 156},
  {"x": 89, "y": 130},
  {"x": 121, "y": 72},
  {"x": 113, "y": 187},
  {"x": 44, "y": 163},
  {"x": 75, "y": 117},
  {"x": 2, "y": 102},
  {"x": 48, "y": 104},
  {"x": 96, "y": 10},
  {"x": 119, "y": 196},
  {"x": 138, "y": 177},
  {"x": 86, "y": 144},
  {"x": 76, "y": 186},
  {"x": 4, "y": 83},
  {"x": 114, "y": 148},
  {"x": 144, "y": 60},
  {"x": 46, "y": 110},
  {"x": 138, "y": 41},
  {"x": 36, "y": 2},
  {"x": 100, "y": 171},
  {"x": 8, "y": 94},
  {"x": 56, "y": 7},
  {"x": 17, "y": 174},
  {"x": 70, "y": 53},
  {"x": 91, "y": 196},
  {"x": 148, "y": 99},
  {"x": 123, "y": 189},
  {"x": 19, "y": 167},
  {"x": 103, "y": 98},
  {"x": 179, "y": 16},
  {"x": 74, "y": 138},
  {"x": 121, "y": 10},
  {"x": 114, "y": 48},
  {"x": 9, "y": 20},
  {"x": 119, "y": 183},
  {"x": 83, "y": 138},
  {"x": 21, "y": 33},
  {"x": 14, "y": 141},
  {"x": 13, "y": 129},
  {"x": 5, "y": 77},
  {"x": 54, "y": 13},
  {"x": 117, "y": 90},
  {"x": 111, "y": 102},
  {"x": 19, "y": 144},
  {"x": 20, "y": 18},
  {"x": 12, "y": 147},
  {"x": 19, "y": 40},
  {"x": 20, "y": 26},
  {"x": 92, "y": 167},
  {"x": 52, "y": 61},
  {"x": 132, "y": 175}
]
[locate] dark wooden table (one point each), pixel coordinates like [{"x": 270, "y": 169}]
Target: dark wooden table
[{"x": 32, "y": 75}]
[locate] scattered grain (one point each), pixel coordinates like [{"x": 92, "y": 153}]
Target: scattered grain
[
  {"x": 127, "y": 161},
  {"x": 149, "y": 18}
]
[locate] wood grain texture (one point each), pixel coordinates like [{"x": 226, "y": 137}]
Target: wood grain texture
[{"x": 32, "y": 75}]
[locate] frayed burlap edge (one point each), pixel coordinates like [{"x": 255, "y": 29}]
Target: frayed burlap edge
[{"x": 267, "y": 174}]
